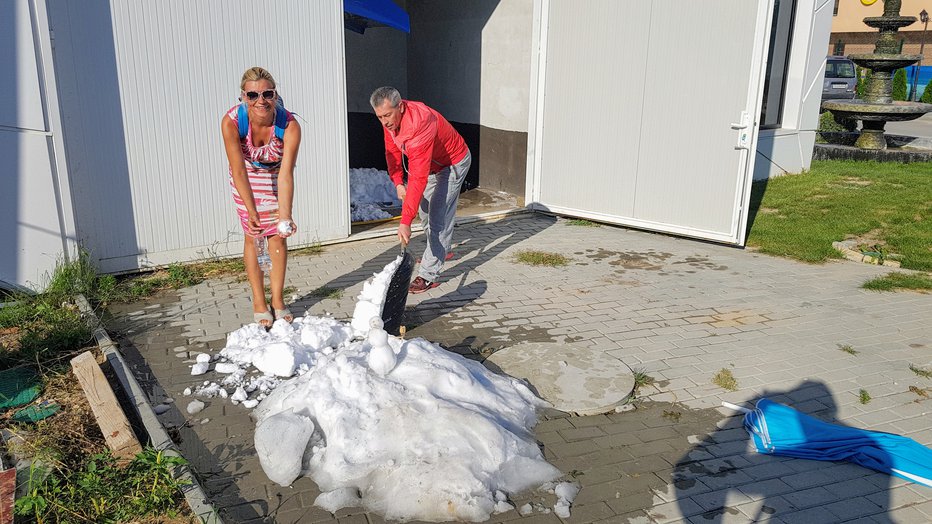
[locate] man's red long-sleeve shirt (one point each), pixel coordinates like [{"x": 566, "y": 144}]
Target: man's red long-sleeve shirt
[{"x": 429, "y": 142}]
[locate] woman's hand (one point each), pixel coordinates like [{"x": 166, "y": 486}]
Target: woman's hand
[
  {"x": 400, "y": 189},
  {"x": 255, "y": 226},
  {"x": 289, "y": 232}
]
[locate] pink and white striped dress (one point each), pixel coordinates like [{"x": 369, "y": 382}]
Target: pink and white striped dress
[{"x": 262, "y": 165}]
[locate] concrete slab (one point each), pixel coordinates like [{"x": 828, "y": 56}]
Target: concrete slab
[{"x": 574, "y": 379}]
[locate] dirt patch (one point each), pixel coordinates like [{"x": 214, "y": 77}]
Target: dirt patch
[
  {"x": 9, "y": 338},
  {"x": 701, "y": 262},
  {"x": 851, "y": 183},
  {"x": 768, "y": 211}
]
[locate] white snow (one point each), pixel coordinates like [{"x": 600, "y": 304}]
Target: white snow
[
  {"x": 200, "y": 368},
  {"x": 400, "y": 427},
  {"x": 364, "y": 212},
  {"x": 372, "y": 297},
  {"x": 368, "y": 188},
  {"x": 566, "y": 493},
  {"x": 195, "y": 406}
]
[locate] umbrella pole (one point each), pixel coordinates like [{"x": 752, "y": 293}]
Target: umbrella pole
[{"x": 736, "y": 407}]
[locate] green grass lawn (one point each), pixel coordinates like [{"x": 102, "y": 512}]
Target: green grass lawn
[{"x": 887, "y": 204}]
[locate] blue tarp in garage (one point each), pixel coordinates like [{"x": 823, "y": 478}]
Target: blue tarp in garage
[{"x": 361, "y": 14}]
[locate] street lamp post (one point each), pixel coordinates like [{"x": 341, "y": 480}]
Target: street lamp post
[{"x": 924, "y": 18}]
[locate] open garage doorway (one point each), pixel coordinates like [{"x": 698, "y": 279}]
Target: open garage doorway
[{"x": 471, "y": 62}]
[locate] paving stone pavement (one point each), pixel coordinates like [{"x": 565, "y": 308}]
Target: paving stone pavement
[{"x": 678, "y": 310}]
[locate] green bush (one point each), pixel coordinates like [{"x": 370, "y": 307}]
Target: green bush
[
  {"x": 836, "y": 130},
  {"x": 927, "y": 94},
  {"x": 863, "y": 75},
  {"x": 828, "y": 123},
  {"x": 899, "y": 84}
]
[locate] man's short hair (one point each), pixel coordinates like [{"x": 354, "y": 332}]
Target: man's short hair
[{"x": 380, "y": 95}]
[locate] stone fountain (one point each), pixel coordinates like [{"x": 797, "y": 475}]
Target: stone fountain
[{"x": 878, "y": 107}]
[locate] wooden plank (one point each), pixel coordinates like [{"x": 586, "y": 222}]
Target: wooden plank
[{"x": 113, "y": 423}]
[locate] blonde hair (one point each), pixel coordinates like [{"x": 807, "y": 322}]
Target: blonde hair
[{"x": 256, "y": 73}]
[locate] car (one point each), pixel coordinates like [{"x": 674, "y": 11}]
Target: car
[{"x": 840, "y": 79}]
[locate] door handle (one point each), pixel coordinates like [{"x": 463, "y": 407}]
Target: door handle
[
  {"x": 743, "y": 124},
  {"x": 744, "y": 136}
]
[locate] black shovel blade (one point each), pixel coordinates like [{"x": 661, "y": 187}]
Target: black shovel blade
[{"x": 396, "y": 295}]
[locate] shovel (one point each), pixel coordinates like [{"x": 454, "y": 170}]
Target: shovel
[{"x": 397, "y": 292}]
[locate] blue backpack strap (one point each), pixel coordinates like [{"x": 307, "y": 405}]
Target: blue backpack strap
[
  {"x": 281, "y": 121},
  {"x": 242, "y": 119}
]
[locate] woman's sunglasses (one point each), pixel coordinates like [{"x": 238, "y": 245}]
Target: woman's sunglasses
[{"x": 268, "y": 94}]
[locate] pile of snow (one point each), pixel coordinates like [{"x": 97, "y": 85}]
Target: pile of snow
[
  {"x": 364, "y": 212},
  {"x": 370, "y": 187},
  {"x": 400, "y": 427}
]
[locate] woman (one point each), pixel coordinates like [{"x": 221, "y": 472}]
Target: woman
[{"x": 262, "y": 160}]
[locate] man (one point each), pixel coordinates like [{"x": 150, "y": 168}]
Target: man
[{"x": 437, "y": 163}]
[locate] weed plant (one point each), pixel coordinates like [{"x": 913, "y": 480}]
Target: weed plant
[
  {"x": 725, "y": 380},
  {"x": 103, "y": 490},
  {"x": 924, "y": 373},
  {"x": 848, "y": 349},
  {"x": 897, "y": 280},
  {"x": 582, "y": 223},
  {"x": 327, "y": 292},
  {"x": 74, "y": 479},
  {"x": 48, "y": 326},
  {"x": 541, "y": 258}
]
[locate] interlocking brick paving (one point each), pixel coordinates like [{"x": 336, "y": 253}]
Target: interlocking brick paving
[{"x": 678, "y": 310}]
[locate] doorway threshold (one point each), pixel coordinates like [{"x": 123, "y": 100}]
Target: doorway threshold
[{"x": 475, "y": 205}]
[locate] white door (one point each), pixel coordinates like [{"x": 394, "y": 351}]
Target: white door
[{"x": 647, "y": 112}]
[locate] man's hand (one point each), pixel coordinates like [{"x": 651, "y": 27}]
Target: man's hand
[
  {"x": 404, "y": 233},
  {"x": 400, "y": 189}
]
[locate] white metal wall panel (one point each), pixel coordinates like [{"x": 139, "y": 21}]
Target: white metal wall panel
[
  {"x": 21, "y": 74},
  {"x": 36, "y": 220},
  {"x": 144, "y": 86},
  {"x": 636, "y": 111}
]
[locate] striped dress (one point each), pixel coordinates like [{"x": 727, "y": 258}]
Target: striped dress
[{"x": 262, "y": 165}]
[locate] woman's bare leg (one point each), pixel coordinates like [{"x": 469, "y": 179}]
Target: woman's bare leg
[
  {"x": 278, "y": 251},
  {"x": 255, "y": 275}
]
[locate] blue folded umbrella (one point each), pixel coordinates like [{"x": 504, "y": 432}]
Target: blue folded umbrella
[{"x": 781, "y": 430}]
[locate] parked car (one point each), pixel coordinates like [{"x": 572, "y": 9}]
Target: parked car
[{"x": 840, "y": 79}]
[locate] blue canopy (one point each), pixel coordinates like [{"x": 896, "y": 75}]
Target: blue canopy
[
  {"x": 360, "y": 14},
  {"x": 781, "y": 430}
]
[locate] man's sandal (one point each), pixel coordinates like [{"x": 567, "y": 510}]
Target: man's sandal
[
  {"x": 264, "y": 316},
  {"x": 284, "y": 314}
]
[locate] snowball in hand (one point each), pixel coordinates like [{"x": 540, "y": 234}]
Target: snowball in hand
[{"x": 285, "y": 227}]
